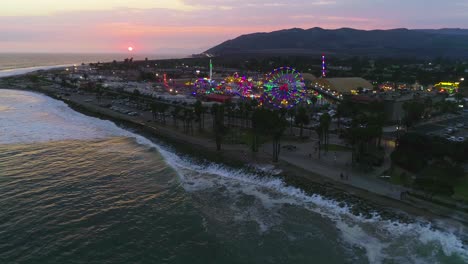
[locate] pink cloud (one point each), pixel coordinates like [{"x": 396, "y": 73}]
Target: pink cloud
[{"x": 154, "y": 30}]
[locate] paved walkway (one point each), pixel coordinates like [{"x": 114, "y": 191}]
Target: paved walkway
[
  {"x": 333, "y": 164},
  {"x": 330, "y": 165}
]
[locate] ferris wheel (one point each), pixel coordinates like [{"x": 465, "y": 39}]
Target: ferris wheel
[{"x": 284, "y": 88}]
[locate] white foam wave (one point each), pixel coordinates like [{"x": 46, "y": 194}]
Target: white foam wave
[
  {"x": 27, "y": 117},
  {"x": 21, "y": 71},
  {"x": 345, "y": 220},
  {"x": 37, "y": 118}
]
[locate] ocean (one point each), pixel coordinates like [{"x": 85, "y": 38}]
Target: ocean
[
  {"x": 77, "y": 189},
  {"x": 19, "y": 63}
]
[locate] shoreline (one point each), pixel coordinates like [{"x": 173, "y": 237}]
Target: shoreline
[
  {"x": 362, "y": 201},
  {"x": 27, "y": 70}
]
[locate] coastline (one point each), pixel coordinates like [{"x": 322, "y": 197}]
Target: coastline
[
  {"x": 26, "y": 70},
  {"x": 363, "y": 202}
]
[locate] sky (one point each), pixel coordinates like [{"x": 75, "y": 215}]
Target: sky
[{"x": 193, "y": 26}]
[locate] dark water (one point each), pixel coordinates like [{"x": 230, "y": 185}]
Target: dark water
[{"x": 75, "y": 189}]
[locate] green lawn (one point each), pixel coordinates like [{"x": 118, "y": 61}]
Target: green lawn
[
  {"x": 399, "y": 176},
  {"x": 461, "y": 190},
  {"x": 333, "y": 147}
]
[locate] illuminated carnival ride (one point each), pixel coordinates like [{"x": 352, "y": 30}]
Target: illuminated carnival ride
[{"x": 283, "y": 88}]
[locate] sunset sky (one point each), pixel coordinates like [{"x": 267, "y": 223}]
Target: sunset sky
[{"x": 192, "y": 26}]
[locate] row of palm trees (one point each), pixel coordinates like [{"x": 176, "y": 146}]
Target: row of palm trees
[
  {"x": 231, "y": 121},
  {"x": 228, "y": 119},
  {"x": 260, "y": 123}
]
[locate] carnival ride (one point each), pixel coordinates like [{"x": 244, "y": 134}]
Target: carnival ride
[
  {"x": 284, "y": 87},
  {"x": 235, "y": 85},
  {"x": 201, "y": 87}
]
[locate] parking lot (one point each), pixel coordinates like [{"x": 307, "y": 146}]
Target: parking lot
[{"x": 454, "y": 128}]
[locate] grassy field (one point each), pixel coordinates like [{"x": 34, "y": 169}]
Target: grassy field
[
  {"x": 399, "y": 176},
  {"x": 333, "y": 147},
  {"x": 461, "y": 190}
]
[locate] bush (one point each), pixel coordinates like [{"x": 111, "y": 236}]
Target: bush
[
  {"x": 409, "y": 160},
  {"x": 440, "y": 177}
]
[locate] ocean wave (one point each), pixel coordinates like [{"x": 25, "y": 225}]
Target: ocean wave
[
  {"x": 378, "y": 237},
  {"x": 350, "y": 225}
]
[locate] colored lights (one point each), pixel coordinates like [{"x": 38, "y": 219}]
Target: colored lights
[
  {"x": 447, "y": 87},
  {"x": 284, "y": 88},
  {"x": 235, "y": 85},
  {"x": 201, "y": 86},
  {"x": 324, "y": 67}
]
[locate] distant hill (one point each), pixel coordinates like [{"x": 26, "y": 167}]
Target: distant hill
[{"x": 421, "y": 43}]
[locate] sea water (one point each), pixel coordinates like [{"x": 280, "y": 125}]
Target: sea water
[
  {"x": 20, "y": 63},
  {"x": 77, "y": 189}
]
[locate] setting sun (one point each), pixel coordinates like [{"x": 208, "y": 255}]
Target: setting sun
[{"x": 130, "y": 48}]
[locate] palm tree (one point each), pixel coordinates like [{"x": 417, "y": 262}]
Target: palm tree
[
  {"x": 291, "y": 114},
  {"x": 277, "y": 125},
  {"x": 319, "y": 132},
  {"x": 204, "y": 111},
  {"x": 241, "y": 112},
  {"x": 459, "y": 97},
  {"x": 219, "y": 128},
  {"x": 258, "y": 117},
  {"x": 302, "y": 119},
  {"x": 99, "y": 93},
  {"x": 154, "y": 110},
  {"x": 325, "y": 121},
  {"x": 175, "y": 114},
  {"x": 213, "y": 111},
  {"x": 340, "y": 112},
  {"x": 198, "y": 109},
  {"x": 378, "y": 122},
  {"x": 188, "y": 117},
  {"x": 162, "y": 110},
  {"x": 271, "y": 123}
]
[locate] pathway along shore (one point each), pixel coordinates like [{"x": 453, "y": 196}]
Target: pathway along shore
[{"x": 362, "y": 201}]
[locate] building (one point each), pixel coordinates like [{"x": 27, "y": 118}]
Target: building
[
  {"x": 447, "y": 87},
  {"x": 341, "y": 86},
  {"x": 393, "y": 107},
  {"x": 218, "y": 98},
  {"x": 309, "y": 77}
]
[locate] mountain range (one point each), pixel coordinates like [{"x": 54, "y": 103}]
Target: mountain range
[{"x": 402, "y": 42}]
